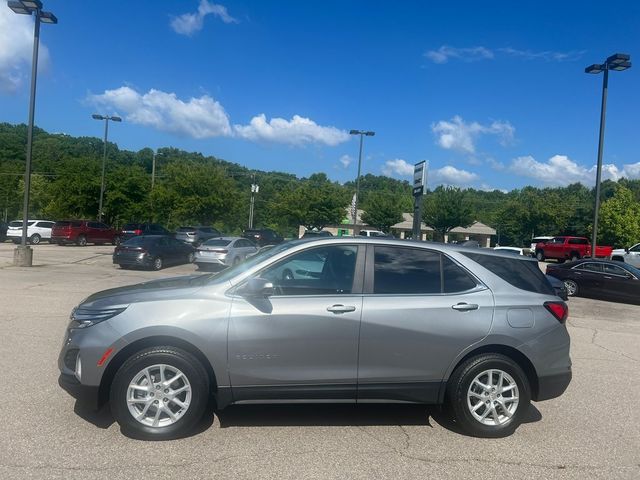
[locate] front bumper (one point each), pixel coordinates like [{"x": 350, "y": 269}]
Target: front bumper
[
  {"x": 142, "y": 260},
  {"x": 87, "y": 395},
  {"x": 552, "y": 386}
]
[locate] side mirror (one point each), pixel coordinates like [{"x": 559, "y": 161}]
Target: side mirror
[
  {"x": 257, "y": 287},
  {"x": 626, "y": 249}
]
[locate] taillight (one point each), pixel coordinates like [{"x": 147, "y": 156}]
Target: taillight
[
  {"x": 138, "y": 231},
  {"x": 559, "y": 310}
]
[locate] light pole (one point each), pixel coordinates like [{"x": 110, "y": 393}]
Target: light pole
[
  {"x": 362, "y": 134},
  {"x": 618, "y": 62},
  {"x": 153, "y": 169},
  {"x": 23, "y": 255},
  {"x": 106, "y": 119}
]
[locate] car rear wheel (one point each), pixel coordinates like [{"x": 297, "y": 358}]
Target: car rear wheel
[
  {"x": 191, "y": 257},
  {"x": 571, "y": 286},
  {"x": 157, "y": 263},
  {"x": 81, "y": 241},
  {"x": 35, "y": 239},
  {"x": 489, "y": 395},
  {"x": 159, "y": 393},
  {"x": 116, "y": 240},
  {"x": 540, "y": 256},
  {"x": 575, "y": 257}
]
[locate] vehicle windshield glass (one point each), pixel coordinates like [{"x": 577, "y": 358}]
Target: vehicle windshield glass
[
  {"x": 187, "y": 229},
  {"x": 216, "y": 243},
  {"x": 231, "y": 272}
]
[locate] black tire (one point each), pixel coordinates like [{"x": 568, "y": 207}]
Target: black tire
[
  {"x": 236, "y": 260},
  {"x": 575, "y": 257},
  {"x": 460, "y": 382},
  {"x": 618, "y": 259},
  {"x": 191, "y": 257},
  {"x": 16, "y": 240},
  {"x": 540, "y": 256},
  {"x": 166, "y": 355},
  {"x": 116, "y": 240},
  {"x": 81, "y": 241},
  {"x": 571, "y": 286},
  {"x": 35, "y": 239},
  {"x": 157, "y": 263},
  {"x": 562, "y": 260}
]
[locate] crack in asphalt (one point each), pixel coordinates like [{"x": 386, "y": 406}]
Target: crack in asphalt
[{"x": 593, "y": 341}]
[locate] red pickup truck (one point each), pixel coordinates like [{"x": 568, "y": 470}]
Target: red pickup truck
[{"x": 569, "y": 248}]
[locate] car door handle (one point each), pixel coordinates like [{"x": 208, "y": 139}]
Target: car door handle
[
  {"x": 341, "y": 308},
  {"x": 465, "y": 307}
]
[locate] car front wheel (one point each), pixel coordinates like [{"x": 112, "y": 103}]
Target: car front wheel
[
  {"x": 35, "y": 239},
  {"x": 157, "y": 263},
  {"x": 489, "y": 395},
  {"x": 159, "y": 393}
]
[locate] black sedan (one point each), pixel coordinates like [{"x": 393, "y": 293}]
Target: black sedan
[
  {"x": 152, "y": 251},
  {"x": 602, "y": 279}
]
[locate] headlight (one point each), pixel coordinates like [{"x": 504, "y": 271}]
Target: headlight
[{"x": 82, "y": 317}]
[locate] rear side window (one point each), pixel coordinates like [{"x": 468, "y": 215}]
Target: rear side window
[
  {"x": 578, "y": 241},
  {"x": 590, "y": 267},
  {"x": 135, "y": 242},
  {"x": 523, "y": 274},
  {"x": 399, "y": 270},
  {"x": 456, "y": 279}
]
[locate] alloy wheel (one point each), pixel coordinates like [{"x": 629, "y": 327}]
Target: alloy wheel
[
  {"x": 492, "y": 398},
  {"x": 159, "y": 395},
  {"x": 571, "y": 286}
]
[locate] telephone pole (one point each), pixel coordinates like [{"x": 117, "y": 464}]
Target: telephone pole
[{"x": 255, "y": 188}]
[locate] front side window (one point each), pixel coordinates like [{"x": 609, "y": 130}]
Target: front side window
[
  {"x": 635, "y": 248},
  {"x": 317, "y": 271},
  {"x": 399, "y": 270},
  {"x": 614, "y": 270}
]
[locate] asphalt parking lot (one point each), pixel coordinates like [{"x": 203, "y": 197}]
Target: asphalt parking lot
[{"x": 590, "y": 432}]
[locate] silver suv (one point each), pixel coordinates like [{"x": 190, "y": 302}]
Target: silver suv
[{"x": 341, "y": 319}]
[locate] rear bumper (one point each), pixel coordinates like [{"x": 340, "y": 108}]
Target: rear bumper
[
  {"x": 62, "y": 238},
  {"x": 552, "y": 386},
  {"x": 84, "y": 394}
]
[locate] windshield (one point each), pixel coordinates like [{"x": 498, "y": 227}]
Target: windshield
[
  {"x": 135, "y": 242},
  {"x": 250, "y": 262},
  {"x": 217, "y": 243}
]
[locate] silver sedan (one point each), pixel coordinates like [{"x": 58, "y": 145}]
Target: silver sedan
[{"x": 223, "y": 252}]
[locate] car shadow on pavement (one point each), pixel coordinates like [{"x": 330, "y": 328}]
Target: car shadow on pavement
[{"x": 344, "y": 415}]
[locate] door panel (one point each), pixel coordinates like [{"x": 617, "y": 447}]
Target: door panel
[
  {"x": 294, "y": 341},
  {"x": 414, "y": 338}
]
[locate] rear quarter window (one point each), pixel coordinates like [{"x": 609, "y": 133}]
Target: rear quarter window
[{"x": 521, "y": 273}]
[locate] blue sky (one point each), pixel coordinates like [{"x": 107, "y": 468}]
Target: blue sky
[{"x": 492, "y": 94}]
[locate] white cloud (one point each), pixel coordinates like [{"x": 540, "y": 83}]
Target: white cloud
[
  {"x": 297, "y": 131},
  {"x": 547, "y": 55},
  {"x": 346, "y": 160},
  {"x": 461, "y": 136},
  {"x": 473, "y": 54},
  {"x": 190, "y": 23},
  {"x": 397, "y": 167},
  {"x": 450, "y": 175},
  {"x": 16, "y": 48},
  {"x": 446, "y": 52},
  {"x": 560, "y": 170},
  {"x": 201, "y": 117}
]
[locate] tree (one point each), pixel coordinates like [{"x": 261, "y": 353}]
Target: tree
[
  {"x": 315, "y": 203},
  {"x": 382, "y": 210},
  {"x": 620, "y": 219},
  {"x": 445, "y": 209}
]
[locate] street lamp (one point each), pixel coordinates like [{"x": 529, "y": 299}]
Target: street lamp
[
  {"x": 23, "y": 255},
  {"x": 617, "y": 62},
  {"x": 106, "y": 119},
  {"x": 362, "y": 134}
]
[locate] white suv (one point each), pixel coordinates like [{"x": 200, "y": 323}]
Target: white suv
[
  {"x": 37, "y": 230},
  {"x": 373, "y": 233},
  {"x": 629, "y": 255}
]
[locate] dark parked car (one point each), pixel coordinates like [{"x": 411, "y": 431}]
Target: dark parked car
[
  {"x": 82, "y": 232},
  {"x": 152, "y": 251},
  {"x": 604, "y": 279},
  {"x": 316, "y": 234},
  {"x": 558, "y": 287},
  {"x": 134, "y": 229},
  {"x": 263, "y": 237},
  {"x": 3, "y": 231},
  {"x": 196, "y": 235}
]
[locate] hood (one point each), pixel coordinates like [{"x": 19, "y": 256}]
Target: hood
[
  {"x": 163, "y": 289},
  {"x": 618, "y": 251}
]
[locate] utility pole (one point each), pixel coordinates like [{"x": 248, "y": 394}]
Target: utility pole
[{"x": 254, "y": 189}]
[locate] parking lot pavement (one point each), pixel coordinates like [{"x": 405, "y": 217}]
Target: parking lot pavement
[{"x": 590, "y": 432}]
